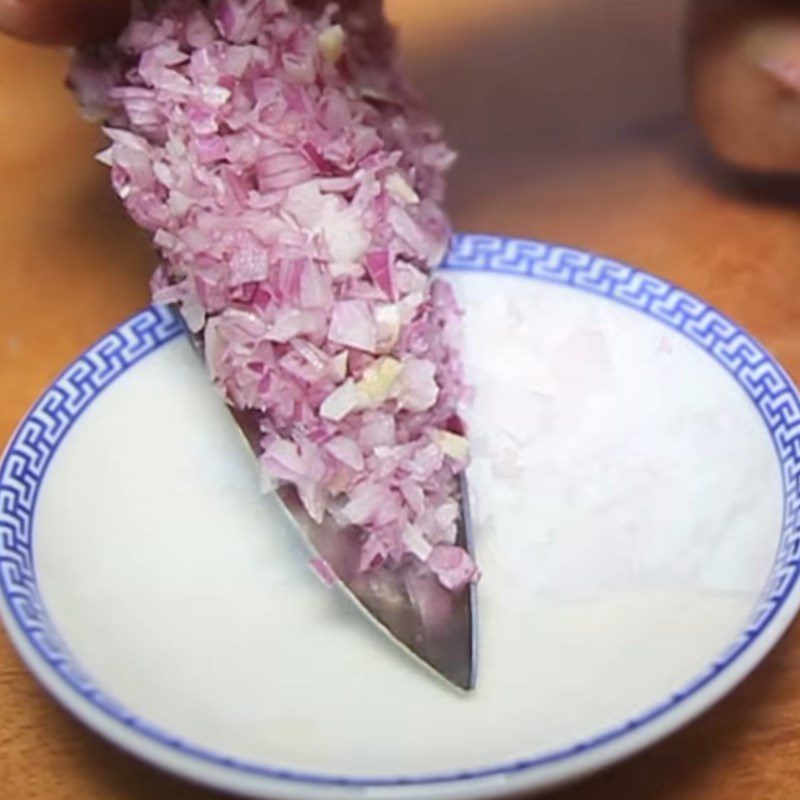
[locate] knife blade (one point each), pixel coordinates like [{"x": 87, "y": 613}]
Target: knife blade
[{"x": 432, "y": 624}]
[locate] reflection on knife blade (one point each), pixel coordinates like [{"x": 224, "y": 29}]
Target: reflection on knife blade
[
  {"x": 431, "y": 622},
  {"x": 408, "y": 603}
]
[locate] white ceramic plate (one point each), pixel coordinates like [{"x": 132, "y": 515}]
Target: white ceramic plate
[{"x": 636, "y": 506}]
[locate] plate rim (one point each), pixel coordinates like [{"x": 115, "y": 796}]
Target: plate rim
[{"x": 23, "y": 468}]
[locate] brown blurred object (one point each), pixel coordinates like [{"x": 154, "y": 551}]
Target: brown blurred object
[
  {"x": 568, "y": 115},
  {"x": 743, "y": 75},
  {"x": 57, "y": 21}
]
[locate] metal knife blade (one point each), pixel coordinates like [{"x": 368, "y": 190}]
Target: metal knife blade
[
  {"x": 430, "y": 622},
  {"x": 436, "y": 626}
]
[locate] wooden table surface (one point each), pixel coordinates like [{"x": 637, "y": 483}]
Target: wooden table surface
[{"x": 568, "y": 115}]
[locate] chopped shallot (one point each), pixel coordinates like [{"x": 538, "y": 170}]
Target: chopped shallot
[{"x": 293, "y": 187}]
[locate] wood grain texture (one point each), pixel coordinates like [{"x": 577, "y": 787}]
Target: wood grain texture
[{"x": 569, "y": 118}]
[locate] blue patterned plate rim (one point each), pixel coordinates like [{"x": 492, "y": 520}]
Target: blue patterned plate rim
[{"x": 26, "y": 459}]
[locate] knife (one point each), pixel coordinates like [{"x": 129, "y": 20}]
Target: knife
[{"x": 435, "y": 626}]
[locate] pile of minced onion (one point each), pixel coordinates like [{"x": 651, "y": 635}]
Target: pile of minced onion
[{"x": 293, "y": 186}]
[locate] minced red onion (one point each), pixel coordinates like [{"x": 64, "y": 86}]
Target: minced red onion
[{"x": 293, "y": 187}]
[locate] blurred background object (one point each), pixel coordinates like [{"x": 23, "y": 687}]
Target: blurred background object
[
  {"x": 743, "y": 65},
  {"x": 571, "y": 120}
]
